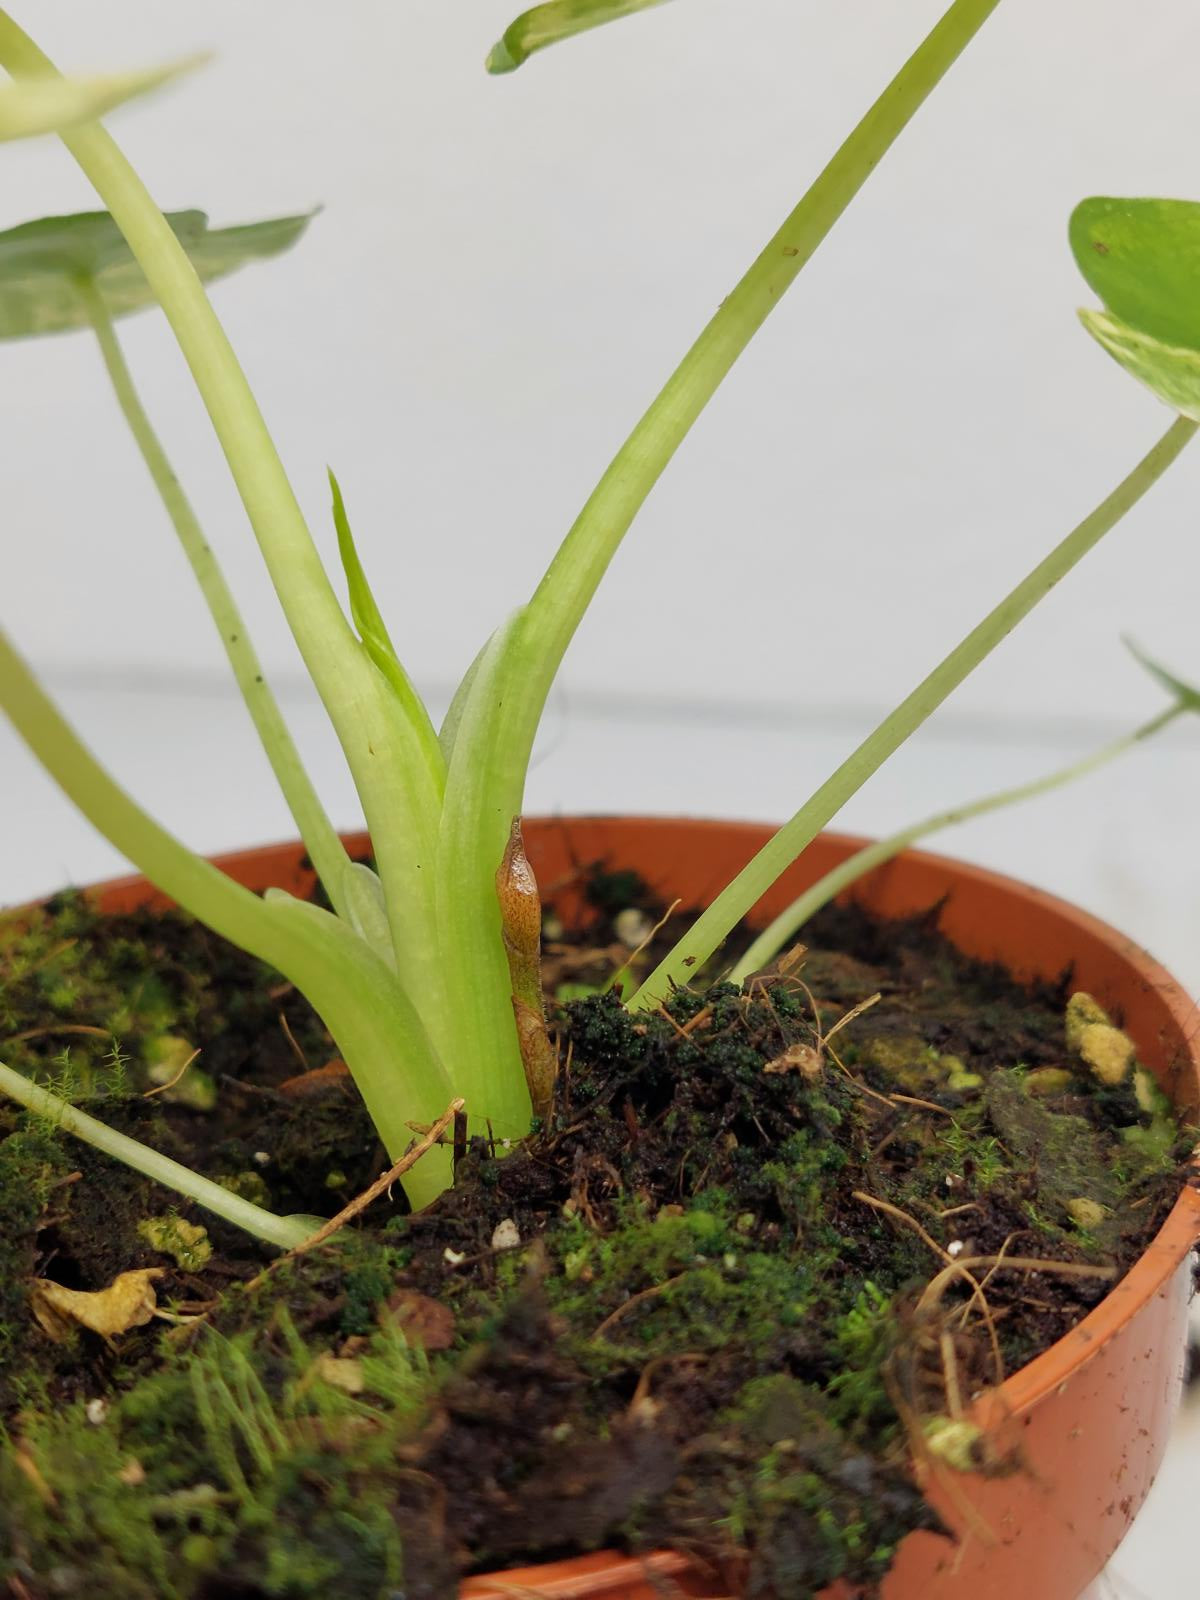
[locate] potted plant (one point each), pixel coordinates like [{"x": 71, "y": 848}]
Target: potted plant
[{"x": 331, "y": 1462}]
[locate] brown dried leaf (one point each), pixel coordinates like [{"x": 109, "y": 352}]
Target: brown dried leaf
[
  {"x": 128, "y": 1302},
  {"x": 426, "y": 1323},
  {"x": 334, "y": 1075},
  {"x": 801, "y": 1058}
]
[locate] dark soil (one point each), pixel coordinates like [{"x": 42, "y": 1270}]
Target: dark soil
[{"x": 716, "y": 1330}]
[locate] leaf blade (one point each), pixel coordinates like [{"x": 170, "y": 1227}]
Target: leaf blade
[
  {"x": 41, "y": 262},
  {"x": 1142, "y": 258}
]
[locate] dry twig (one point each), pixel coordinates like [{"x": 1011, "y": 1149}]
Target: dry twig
[{"x": 368, "y": 1196}]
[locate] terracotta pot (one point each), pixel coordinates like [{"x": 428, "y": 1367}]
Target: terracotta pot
[{"x": 1093, "y": 1412}]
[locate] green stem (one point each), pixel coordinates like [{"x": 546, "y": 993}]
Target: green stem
[
  {"x": 376, "y": 1029},
  {"x": 286, "y": 1232},
  {"x": 320, "y": 838},
  {"x": 565, "y": 592},
  {"x": 698, "y": 944},
  {"x": 776, "y": 935},
  {"x": 400, "y": 796}
]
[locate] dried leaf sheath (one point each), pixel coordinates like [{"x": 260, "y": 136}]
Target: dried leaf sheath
[{"x": 521, "y": 926}]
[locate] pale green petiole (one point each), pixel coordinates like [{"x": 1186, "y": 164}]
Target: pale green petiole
[
  {"x": 739, "y": 897},
  {"x": 787, "y": 924},
  {"x": 493, "y": 722},
  {"x": 286, "y": 1232},
  {"x": 539, "y": 640},
  {"x": 373, "y": 1023},
  {"x": 320, "y": 839}
]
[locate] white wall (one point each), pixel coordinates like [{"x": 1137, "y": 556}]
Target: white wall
[{"x": 506, "y": 269}]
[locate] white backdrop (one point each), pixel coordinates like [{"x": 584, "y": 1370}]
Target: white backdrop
[{"x": 504, "y": 272}]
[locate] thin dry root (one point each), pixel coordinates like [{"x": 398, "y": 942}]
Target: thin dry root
[{"x": 368, "y": 1196}]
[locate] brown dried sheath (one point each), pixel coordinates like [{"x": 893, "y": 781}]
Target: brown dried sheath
[{"x": 521, "y": 926}]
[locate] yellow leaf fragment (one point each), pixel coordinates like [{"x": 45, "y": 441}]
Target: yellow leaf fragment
[
  {"x": 128, "y": 1302},
  {"x": 340, "y": 1372},
  {"x": 801, "y": 1058}
]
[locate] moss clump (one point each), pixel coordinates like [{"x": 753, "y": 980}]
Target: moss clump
[
  {"x": 186, "y": 1243},
  {"x": 231, "y": 1458},
  {"x": 804, "y": 1505},
  {"x": 690, "y": 1279},
  {"x": 31, "y": 1163}
]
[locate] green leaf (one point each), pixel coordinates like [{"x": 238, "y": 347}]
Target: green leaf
[
  {"x": 558, "y": 19},
  {"x": 364, "y": 612},
  {"x": 41, "y": 262},
  {"x": 52, "y": 104},
  {"x": 372, "y": 630},
  {"x": 367, "y": 909},
  {"x": 1175, "y": 687},
  {"x": 1172, "y": 372},
  {"x": 471, "y": 841},
  {"x": 448, "y": 732},
  {"x": 1142, "y": 257}
]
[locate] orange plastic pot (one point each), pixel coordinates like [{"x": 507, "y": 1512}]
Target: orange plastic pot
[{"x": 1093, "y": 1413}]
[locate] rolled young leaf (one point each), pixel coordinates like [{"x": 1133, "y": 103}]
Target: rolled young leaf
[
  {"x": 558, "y": 19},
  {"x": 372, "y": 630}
]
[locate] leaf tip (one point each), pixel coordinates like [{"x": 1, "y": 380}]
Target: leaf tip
[
  {"x": 1185, "y": 696},
  {"x": 501, "y": 60}
]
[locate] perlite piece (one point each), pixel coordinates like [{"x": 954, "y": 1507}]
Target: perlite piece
[{"x": 1106, "y": 1049}]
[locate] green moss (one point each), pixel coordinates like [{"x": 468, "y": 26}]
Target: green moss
[
  {"x": 185, "y": 1242},
  {"x": 865, "y": 1338},
  {"x": 232, "y": 1454},
  {"x": 367, "y": 1282},
  {"x": 31, "y": 1162},
  {"x": 810, "y": 1509}
]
